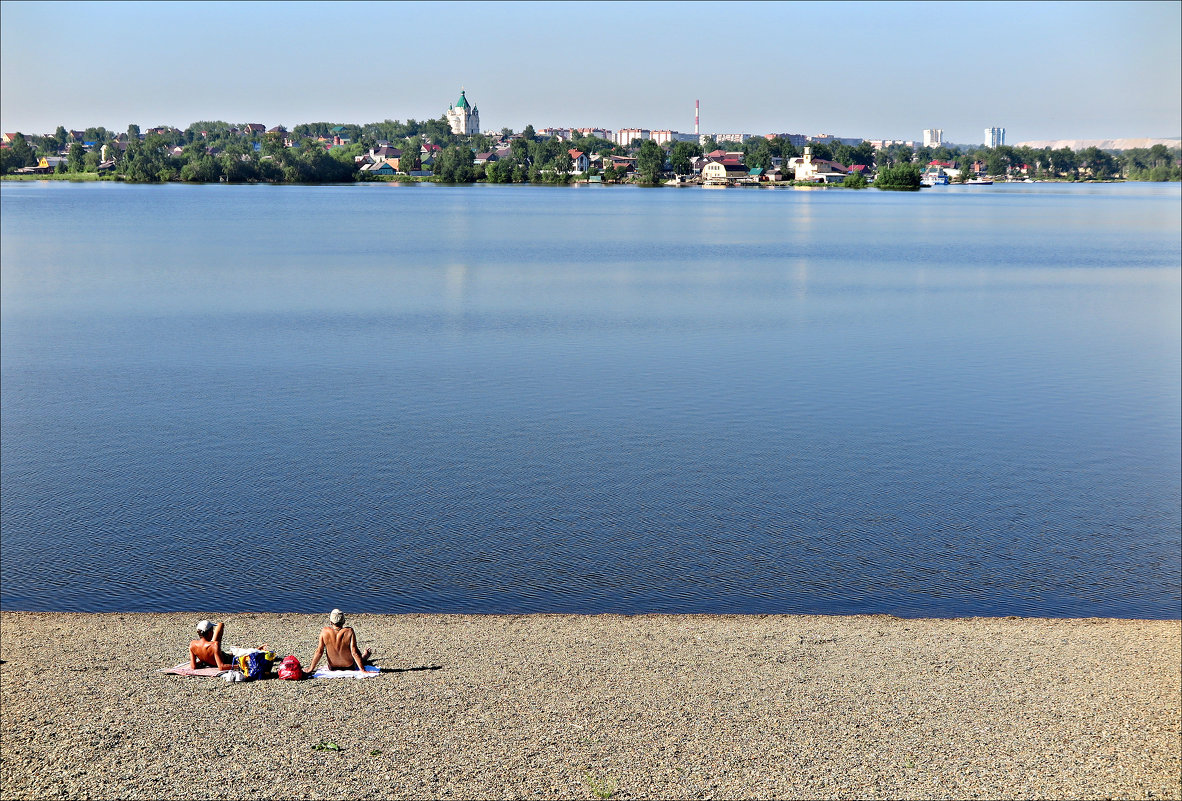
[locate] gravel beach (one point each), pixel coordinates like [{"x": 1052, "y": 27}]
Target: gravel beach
[{"x": 567, "y": 706}]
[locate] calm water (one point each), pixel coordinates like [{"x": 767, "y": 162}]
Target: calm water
[{"x": 502, "y": 399}]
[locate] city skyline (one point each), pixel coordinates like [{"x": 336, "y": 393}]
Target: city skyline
[{"x": 1097, "y": 70}]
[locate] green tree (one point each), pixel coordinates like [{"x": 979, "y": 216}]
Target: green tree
[
  {"x": 453, "y": 165},
  {"x": 60, "y": 137},
  {"x": 21, "y": 155},
  {"x": 75, "y": 159},
  {"x": 996, "y": 163},
  {"x": 411, "y": 152},
  {"x": 1064, "y": 162},
  {"x": 680, "y": 155},
  {"x": 759, "y": 156},
  {"x": 529, "y": 134},
  {"x": 133, "y": 131},
  {"x": 650, "y": 162},
  {"x": 822, "y": 150},
  {"x": 855, "y": 180},
  {"x": 899, "y": 177},
  {"x": 1101, "y": 164}
]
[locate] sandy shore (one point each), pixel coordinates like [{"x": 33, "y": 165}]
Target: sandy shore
[{"x": 558, "y": 706}]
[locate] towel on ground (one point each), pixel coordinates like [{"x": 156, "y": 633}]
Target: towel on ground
[
  {"x": 183, "y": 669},
  {"x": 369, "y": 672}
]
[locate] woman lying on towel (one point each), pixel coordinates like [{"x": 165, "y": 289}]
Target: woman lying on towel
[{"x": 339, "y": 643}]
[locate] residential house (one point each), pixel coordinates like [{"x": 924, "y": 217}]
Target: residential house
[
  {"x": 487, "y": 157},
  {"x": 579, "y": 161},
  {"x": 383, "y": 167},
  {"x": 110, "y": 148},
  {"x": 254, "y": 129},
  {"x": 717, "y": 171},
  {"x": 427, "y": 153}
]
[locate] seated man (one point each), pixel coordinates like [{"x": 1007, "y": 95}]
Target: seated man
[
  {"x": 339, "y": 643},
  {"x": 207, "y": 651}
]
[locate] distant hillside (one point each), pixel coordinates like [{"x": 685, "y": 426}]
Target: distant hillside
[{"x": 1103, "y": 144}]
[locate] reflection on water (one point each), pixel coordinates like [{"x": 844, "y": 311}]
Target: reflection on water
[{"x": 957, "y": 402}]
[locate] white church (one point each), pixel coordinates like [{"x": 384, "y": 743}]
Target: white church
[{"x": 463, "y": 117}]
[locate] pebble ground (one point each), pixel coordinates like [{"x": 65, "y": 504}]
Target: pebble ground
[{"x": 566, "y": 706}]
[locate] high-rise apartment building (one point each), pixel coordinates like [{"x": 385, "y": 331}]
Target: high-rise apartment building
[
  {"x": 933, "y": 137},
  {"x": 995, "y": 137}
]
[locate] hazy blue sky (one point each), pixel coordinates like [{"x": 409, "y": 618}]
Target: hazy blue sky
[{"x": 877, "y": 70}]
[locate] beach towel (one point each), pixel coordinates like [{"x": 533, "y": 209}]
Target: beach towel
[
  {"x": 369, "y": 672},
  {"x": 183, "y": 669}
]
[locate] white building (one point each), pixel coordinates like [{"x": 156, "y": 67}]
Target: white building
[
  {"x": 995, "y": 137},
  {"x": 808, "y": 168},
  {"x": 624, "y": 136},
  {"x": 933, "y": 137},
  {"x": 598, "y": 133},
  {"x": 463, "y": 117}
]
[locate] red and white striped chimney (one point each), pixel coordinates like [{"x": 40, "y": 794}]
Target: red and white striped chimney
[{"x": 695, "y": 118}]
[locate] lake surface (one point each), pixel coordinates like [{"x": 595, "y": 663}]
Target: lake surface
[{"x": 964, "y": 401}]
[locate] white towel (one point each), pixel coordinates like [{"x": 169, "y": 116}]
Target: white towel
[{"x": 327, "y": 673}]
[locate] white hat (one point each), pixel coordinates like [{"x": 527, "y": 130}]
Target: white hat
[
  {"x": 204, "y": 626},
  {"x": 336, "y": 617}
]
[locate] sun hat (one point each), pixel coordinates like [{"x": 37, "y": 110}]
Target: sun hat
[{"x": 336, "y": 617}]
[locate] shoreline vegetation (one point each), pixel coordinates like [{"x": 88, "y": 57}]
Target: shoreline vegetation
[
  {"x": 427, "y": 151},
  {"x": 415, "y": 179},
  {"x": 599, "y": 706}
]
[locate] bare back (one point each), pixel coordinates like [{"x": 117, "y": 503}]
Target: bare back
[
  {"x": 208, "y": 653},
  {"x": 340, "y": 647}
]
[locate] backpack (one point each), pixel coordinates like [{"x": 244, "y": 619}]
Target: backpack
[{"x": 290, "y": 668}]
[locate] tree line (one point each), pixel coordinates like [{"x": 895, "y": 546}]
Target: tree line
[{"x": 214, "y": 150}]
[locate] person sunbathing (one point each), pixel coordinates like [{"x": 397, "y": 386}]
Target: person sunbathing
[
  {"x": 207, "y": 651},
  {"x": 338, "y": 643}
]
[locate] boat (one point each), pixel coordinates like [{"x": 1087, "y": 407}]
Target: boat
[
  {"x": 979, "y": 182},
  {"x": 934, "y": 177}
]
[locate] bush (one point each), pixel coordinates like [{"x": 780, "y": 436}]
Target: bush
[
  {"x": 855, "y": 180},
  {"x": 899, "y": 178}
]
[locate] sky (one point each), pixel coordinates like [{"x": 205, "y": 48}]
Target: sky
[{"x": 871, "y": 70}]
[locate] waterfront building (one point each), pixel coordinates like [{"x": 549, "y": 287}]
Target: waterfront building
[
  {"x": 995, "y": 137},
  {"x": 715, "y": 171},
  {"x": 463, "y": 117},
  {"x": 807, "y": 168},
  {"x": 933, "y": 137}
]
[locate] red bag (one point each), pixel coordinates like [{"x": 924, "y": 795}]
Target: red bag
[{"x": 290, "y": 668}]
